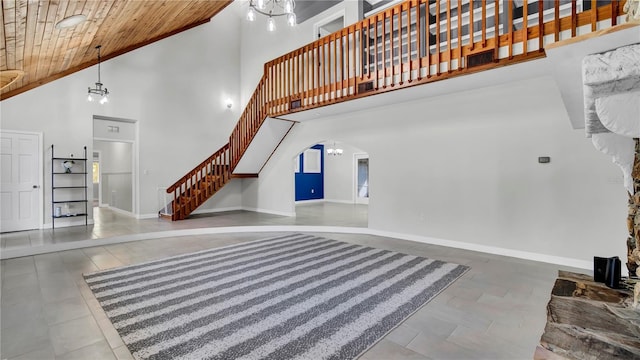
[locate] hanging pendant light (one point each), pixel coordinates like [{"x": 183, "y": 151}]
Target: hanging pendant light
[
  {"x": 99, "y": 91},
  {"x": 272, "y": 9},
  {"x": 335, "y": 151},
  {"x": 271, "y": 24}
]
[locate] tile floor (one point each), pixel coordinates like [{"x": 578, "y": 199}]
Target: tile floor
[
  {"x": 495, "y": 311},
  {"x": 109, "y": 223}
]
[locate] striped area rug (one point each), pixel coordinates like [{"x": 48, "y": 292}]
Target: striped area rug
[{"x": 289, "y": 297}]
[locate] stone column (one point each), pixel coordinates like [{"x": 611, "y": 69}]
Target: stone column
[{"x": 633, "y": 220}]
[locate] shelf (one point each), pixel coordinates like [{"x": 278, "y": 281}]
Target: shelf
[
  {"x": 68, "y": 216},
  {"x": 72, "y": 184},
  {"x": 68, "y": 159}
]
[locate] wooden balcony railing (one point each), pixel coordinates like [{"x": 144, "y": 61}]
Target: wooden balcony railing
[
  {"x": 420, "y": 41},
  {"x": 412, "y": 43}
]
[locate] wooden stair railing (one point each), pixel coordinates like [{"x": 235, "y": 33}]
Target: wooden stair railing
[
  {"x": 199, "y": 184},
  {"x": 412, "y": 43}
]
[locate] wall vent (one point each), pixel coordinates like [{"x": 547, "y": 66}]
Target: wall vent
[
  {"x": 481, "y": 58},
  {"x": 295, "y": 104},
  {"x": 365, "y": 86}
]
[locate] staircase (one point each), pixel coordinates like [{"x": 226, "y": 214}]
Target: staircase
[{"x": 412, "y": 43}]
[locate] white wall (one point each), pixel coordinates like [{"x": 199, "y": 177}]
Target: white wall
[
  {"x": 470, "y": 173},
  {"x": 174, "y": 88},
  {"x": 339, "y": 174},
  {"x": 116, "y": 173}
]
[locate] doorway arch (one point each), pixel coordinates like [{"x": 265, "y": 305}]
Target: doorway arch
[{"x": 339, "y": 170}]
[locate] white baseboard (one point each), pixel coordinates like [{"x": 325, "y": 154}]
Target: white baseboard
[
  {"x": 314, "y": 201},
  {"x": 526, "y": 255},
  {"x": 304, "y": 202},
  {"x": 146, "y": 216},
  {"x": 122, "y": 212},
  {"x": 559, "y": 260},
  {"x": 349, "y": 202},
  {"x": 68, "y": 223},
  {"x": 217, "y": 210}
]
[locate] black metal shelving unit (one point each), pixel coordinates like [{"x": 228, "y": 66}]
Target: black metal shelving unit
[{"x": 72, "y": 190}]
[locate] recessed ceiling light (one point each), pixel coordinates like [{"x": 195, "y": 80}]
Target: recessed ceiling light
[{"x": 71, "y": 21}]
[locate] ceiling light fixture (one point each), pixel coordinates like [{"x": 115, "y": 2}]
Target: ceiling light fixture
[
  {"x": 335, "y": 151},
  {"x": 103, "y": 93},
  {"x": 71, "y": 21},
  {"x": 272, "y": 8}
]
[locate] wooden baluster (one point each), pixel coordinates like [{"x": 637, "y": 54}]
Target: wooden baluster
[
  {"x": 556, "y": 20},
  {"x": 392, "y": 62},
  {"x": 310, "y": 75},
  {"x": 574, "y": 18},
  {"x": 614, "y": 12},
  {"x": 438, "y": 37},
  {"x": 364, "y": 37},
  {"x": 460, "y": 34},
  {"x": 328, "y": 62},
  {"x": 319, "y": 67},
  {"x": 344, "y": 60},
  {"x": 449, "y": 52},
  {"x": 525, "y": 27},
  {"x": 334, "y": 63},
  {"x": 310, "y": 81},
  {"x": 282, "y": 83},
  {"x": 300, "y": 74},
  {"x": 287, "y": 81},
  {"x": 419, "y": 37},
  {"x": 377, "y": 58},
  {"x": 496, "y": 31},
  {"x": 484, "y": 23},
  {"x": 410, "y": 60},
  {"x": 510, "y": 25},
  {"x": 472, "y": 39},
  {"x": 316, "y": 70},
  {"x": 323, "y": 70},
  {"x": 397, "y": 69},
  {"x": 353, "y": 69},
  {"x": 383, "y": 30},
  {"x": 427, "y": 38},
  {"x": 540, "y": 25},
  {"x": 294, "y": 75},
  {"x": 594, "y": 15}
]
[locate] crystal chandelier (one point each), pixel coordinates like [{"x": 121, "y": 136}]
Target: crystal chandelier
[
  {"x": 272, "y": 8},
  {"x": 335, "y": 151},
  {"x": 103, "y": 93}
]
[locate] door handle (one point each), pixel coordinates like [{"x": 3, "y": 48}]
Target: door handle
[{"x": 36, "y": 186}]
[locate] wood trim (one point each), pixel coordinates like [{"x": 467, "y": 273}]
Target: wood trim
[{"x": 592, "y": 35}]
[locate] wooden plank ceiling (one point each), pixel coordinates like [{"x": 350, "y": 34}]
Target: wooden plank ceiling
[{"x": 30, "y": 43}]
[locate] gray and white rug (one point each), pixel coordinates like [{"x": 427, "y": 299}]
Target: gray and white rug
[{"x": 289, "y": 297}]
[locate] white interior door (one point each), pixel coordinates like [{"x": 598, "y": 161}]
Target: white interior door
[
  {"x": 21, "y": 181},
  {"x": 362, "y": 178}
]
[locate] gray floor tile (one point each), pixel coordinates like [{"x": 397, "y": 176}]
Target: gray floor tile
[
  {"x": 64, "y": 310},
  {"x": 99, "y": 350},
  {"x": 385, "y": 350},
  {"x": 44, "y": 353},
  {"x": 75, "y": 334},
  {"x": 496, "y": 310}
]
